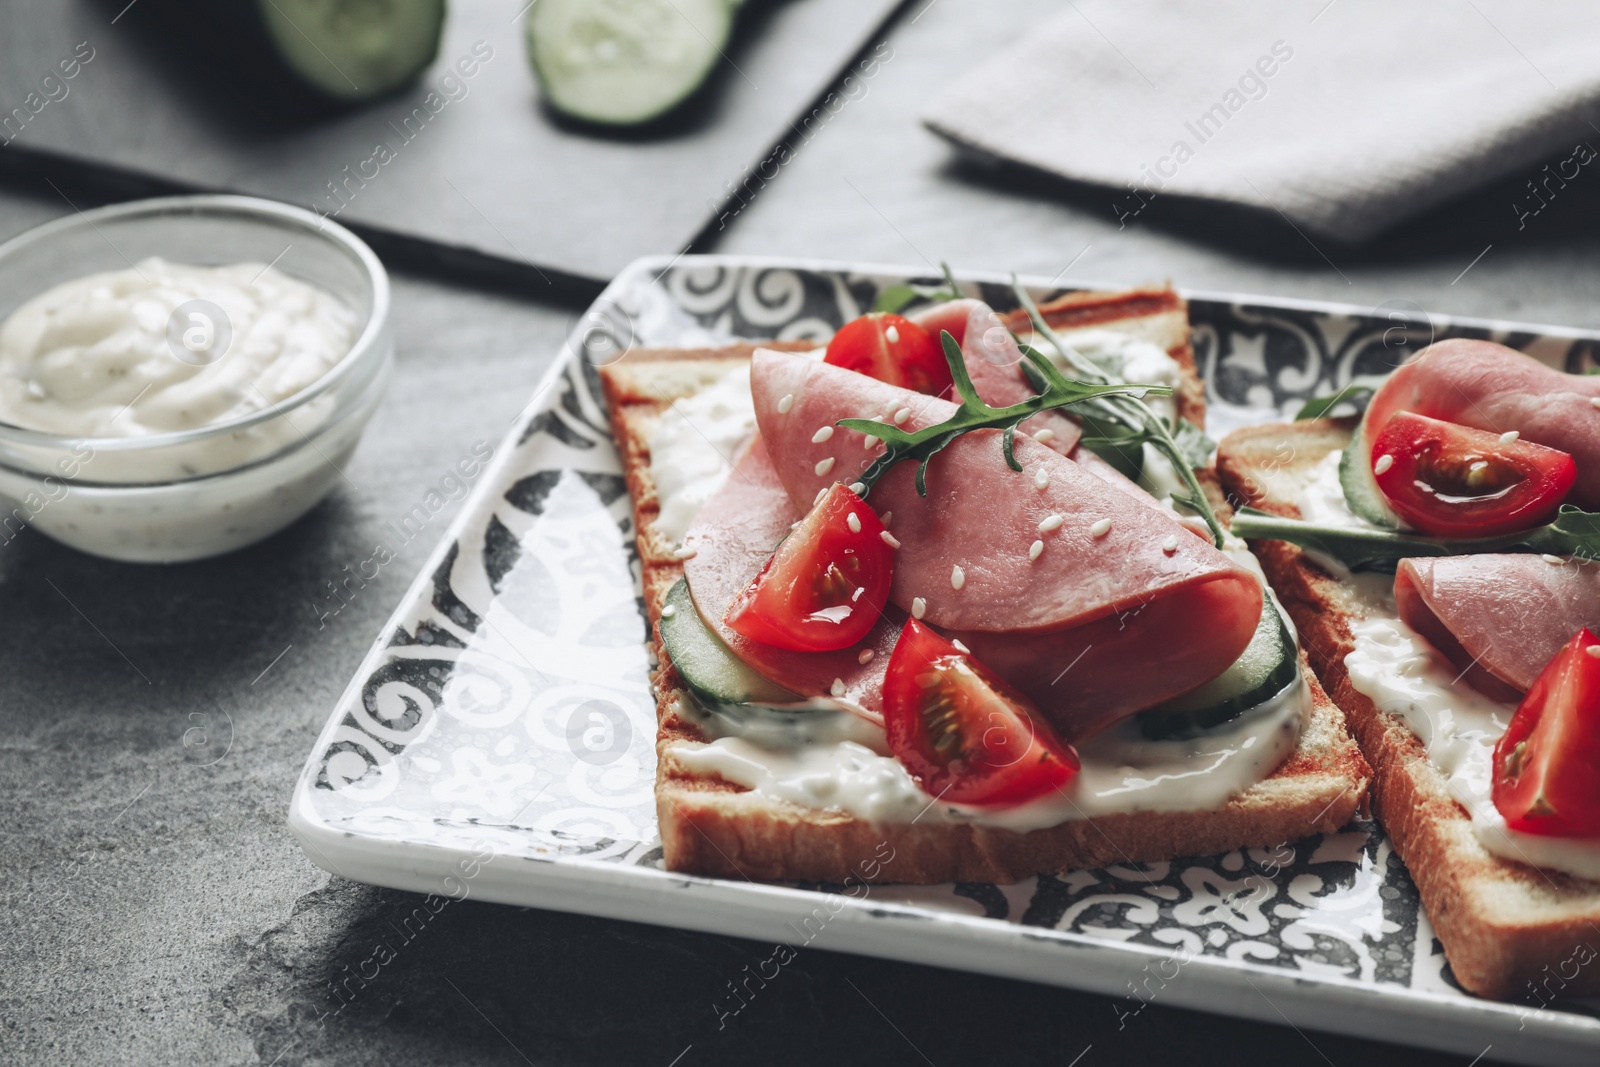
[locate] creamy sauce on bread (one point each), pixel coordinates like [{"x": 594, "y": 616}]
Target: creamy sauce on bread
[{"x": 1121, "y": 773}]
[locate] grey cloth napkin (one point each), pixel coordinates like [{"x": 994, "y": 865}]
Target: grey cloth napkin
[{"x": 1344, "y": 117}]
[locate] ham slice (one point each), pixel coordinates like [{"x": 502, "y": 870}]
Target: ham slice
[
  {"x": 1491, "y": 387},
  {"x": 1500, "y": 618},
  {"x": 733, "y": 537},
  {"x": 1095, "y": 628},
  {"x": 994, "y": 363}
]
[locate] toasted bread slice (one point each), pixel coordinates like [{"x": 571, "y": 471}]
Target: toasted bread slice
[
  {"x": 1503, "y": 924},
  {"x": 711, "y": 826}
]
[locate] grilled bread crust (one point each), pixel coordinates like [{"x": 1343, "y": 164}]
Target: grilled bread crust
[
  {"x": 1507, "y": 928},
  {"x": 713, "y": 827}
]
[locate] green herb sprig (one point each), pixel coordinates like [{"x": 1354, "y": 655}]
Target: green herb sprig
[
  {"x": 1059, "y": 392},
  {"x": 1138, "y": 422},
  {"x": 1575, "y": 532}
]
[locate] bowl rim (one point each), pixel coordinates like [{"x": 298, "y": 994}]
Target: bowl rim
[{"x": 218, "y": 205}]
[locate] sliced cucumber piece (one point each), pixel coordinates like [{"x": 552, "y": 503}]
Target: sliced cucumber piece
[
  {"x": 1269, "y": 665},
  {"x": 624, "y": 62},
  {"x": 354, "y": 49},
  {"x": 1361, "y": 490},
  {"x": 704, "y": 661},
  {"x": 741, "y": 701}
]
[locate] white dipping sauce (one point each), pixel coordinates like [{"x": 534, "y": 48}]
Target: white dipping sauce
[{"x": 92, "y": 357}]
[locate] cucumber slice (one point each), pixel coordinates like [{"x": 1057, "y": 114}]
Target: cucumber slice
[
  {"x": 287, "y": 60},
  {"x": 704, "y": 661},
  {"x": 733, "y": 699},
  {"x": 1361, "y": 490},
  {"x": 624, "y": 62},
  {"x": 1269, "y": 665},
  {"x": 354, "y": 49}
]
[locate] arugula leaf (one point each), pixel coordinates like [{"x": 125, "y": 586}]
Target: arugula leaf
[
  {"x": 1129, "y": 411},
  {"x": 1317, "y": 407},
  {"x": 973, "y": 414},
  {"x": 1575, "y": 532},
  {"x": 895, "y": 298},
  {"x": 1193, "y": 444}
]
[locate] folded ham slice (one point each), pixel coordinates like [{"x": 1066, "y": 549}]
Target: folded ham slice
[
  {"x": 1500, "y": 618},
  {"x": 994, "y": 363},
  {"x": 1491, "y": 387},
  {"x": 733, "y": 537},
  {"x": 1093, "y": 629}
]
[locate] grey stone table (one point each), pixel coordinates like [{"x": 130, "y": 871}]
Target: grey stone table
[{"x": 155, "y": 907}]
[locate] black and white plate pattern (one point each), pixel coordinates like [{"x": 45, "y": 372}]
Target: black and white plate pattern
[{"x": 498, "y": 741}]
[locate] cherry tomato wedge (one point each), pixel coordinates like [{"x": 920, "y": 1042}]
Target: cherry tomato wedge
[
  {"x": 1453, "y": 481},
  {"x": 1547, "y": 766},
  {"x": 891, "y": 349},
  {"x": 965, "y": 735},
  {"x": 827, "y": 583}
]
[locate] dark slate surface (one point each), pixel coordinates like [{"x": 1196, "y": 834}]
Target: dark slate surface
[
  {"x": 492, "y": 170},
  {"x": 153, "y": 909}
]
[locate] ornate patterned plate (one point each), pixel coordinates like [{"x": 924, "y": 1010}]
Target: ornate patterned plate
[{"x": 498, "y": 740}]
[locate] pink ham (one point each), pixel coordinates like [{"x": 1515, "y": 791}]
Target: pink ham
[
  {"x": 1093, "y": 630},
  {"x": 994, "y": 363},
  {"x": 1500, "y": 618},
  {"x": 1492, "y": 387},
  {"x": 733, "y": 537}
]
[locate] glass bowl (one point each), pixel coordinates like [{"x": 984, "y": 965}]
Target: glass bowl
[{"x": 187, "y": 495}]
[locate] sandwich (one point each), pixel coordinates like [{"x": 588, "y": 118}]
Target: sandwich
[
  {"x": 953, "y": 599},
  {"x": 1436, "y": 554}
]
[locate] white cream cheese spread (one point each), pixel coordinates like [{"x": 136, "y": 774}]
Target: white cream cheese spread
[
  {"x": 1120, "y": 773},
  {"x": 101, "y": 356},
  {"x": 1402, "y": 674},
  {"x": 692, "y": 449}
]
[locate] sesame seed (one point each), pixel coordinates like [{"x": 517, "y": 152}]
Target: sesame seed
[
  {"x": 1548, "y": 558},
  {"x": 1100, "y": 528},
  {"x": 919, "y": 607},
  {"x": 1034, "y": 549},
  {"x": 963, "y": 648},
  {"x": 892, "y": 334},
  {"x": 958, "y": 577},
  {"x": 1041, "y": 478},
  {"x": 820, "y": 494},
  {"x": 824, "y": 466},
  {"x": 822, "y": 435},
  {"x": 1385, "y": 461},
  {"x": 686, "y": 553},
  {"x": 1051, "y": 522},
  {"x": 889, "y": 539},
  {"x": 1044, "y": 436},
  {"x": 1170, "y": 545},
  {"x": 786, "y": 403},
  {"x": 1595, "y": 401},
  {"x": 669, "y": 611},
  {"x": 901, "y": 416},
  {"x": 1509, "y": 436},
  {"x": 866, "y": 656},
  {"x": 837, "y": 689},
  {"x": 867, "y": 441},
  {"x": 858, "y": 488},
  {"x": 887, "y": 515},
  {"x": 853, "y": 522},
  {"x": 1593, "y": 650}
]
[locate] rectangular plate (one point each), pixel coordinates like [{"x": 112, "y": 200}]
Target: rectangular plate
[
  {"x": 488, "y": 169},
  {"x": 498, "y": 741}
]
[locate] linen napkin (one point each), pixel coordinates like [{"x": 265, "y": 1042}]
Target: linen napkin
[{"x": 1345, "y": 117}]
